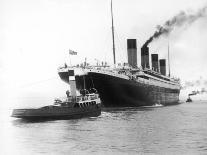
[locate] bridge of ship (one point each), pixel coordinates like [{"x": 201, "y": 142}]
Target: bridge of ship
[{"x": 77, "y": 99}]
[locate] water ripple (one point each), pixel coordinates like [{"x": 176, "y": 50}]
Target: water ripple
[{"x": 177, "y": 129}]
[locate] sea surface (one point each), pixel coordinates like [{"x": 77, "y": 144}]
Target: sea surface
[{"x": 180, "y": 129}]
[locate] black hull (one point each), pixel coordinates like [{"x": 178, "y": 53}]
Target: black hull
[
  {"x": 57, "y": 113},
  {"x": 119, "y": 92},
  {"x": 62, "y": 117}
]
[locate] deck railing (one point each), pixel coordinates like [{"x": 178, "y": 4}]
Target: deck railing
[{"x": 78, "y": 98}]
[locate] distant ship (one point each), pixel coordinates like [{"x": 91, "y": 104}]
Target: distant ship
[
  {"x": 189, "y": 99},
  {"x": 128, "y": 85},
  {"x": 194, "y": 93},
  {"x": 87, "y": 104}
]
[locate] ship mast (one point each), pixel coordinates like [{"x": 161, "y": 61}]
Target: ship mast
[
  {"x": 169, "y": 58},
  {"x": 112, "y": 22}
]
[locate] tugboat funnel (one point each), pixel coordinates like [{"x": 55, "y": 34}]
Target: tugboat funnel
[{"x": 72, "y": 83}]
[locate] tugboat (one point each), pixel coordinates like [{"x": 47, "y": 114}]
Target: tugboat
[
  {"x": 189, "y": 99},
  {"x": 87, "y": 104}
]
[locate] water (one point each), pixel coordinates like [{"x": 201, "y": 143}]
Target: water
[{"x": 179, "y": 129}]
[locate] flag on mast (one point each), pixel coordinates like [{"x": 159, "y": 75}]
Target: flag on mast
[{"x": 71, "y": 52}]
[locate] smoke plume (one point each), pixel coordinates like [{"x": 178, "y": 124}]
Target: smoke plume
[
  {"x": 182, "y": 18},
  {"x": 197, "y": 83},
  {"x": 203, "y": 90}
]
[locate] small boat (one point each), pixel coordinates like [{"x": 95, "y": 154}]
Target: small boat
[
  {"x": 87, "y": 104},
  {"x": 189, "y": 99}
]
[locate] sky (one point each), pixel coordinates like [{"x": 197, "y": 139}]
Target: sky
[{"x": 35, "y": 36}]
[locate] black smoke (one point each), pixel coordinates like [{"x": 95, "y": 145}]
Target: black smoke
[
  {"x": 181, "y": 19},
  {"x": 197, "y": 83},
  {"x": 203, "y": 90}
]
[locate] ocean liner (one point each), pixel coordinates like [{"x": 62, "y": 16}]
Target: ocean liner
[{"x": 128, "y": 85}]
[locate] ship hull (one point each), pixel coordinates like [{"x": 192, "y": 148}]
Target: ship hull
[
  {"x": 57, "y": 113},
  {"x": 120, "y": 92}
]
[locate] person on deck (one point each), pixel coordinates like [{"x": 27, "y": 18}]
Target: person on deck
[{"x": 68, "y": 93}]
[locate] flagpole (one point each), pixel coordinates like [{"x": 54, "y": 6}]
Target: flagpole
[
  {"x": 71, "y": 52},
  {"x": 70, "y": 59}
]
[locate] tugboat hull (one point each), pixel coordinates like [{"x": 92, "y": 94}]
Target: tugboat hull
[{"x": 54, "y": 112}]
